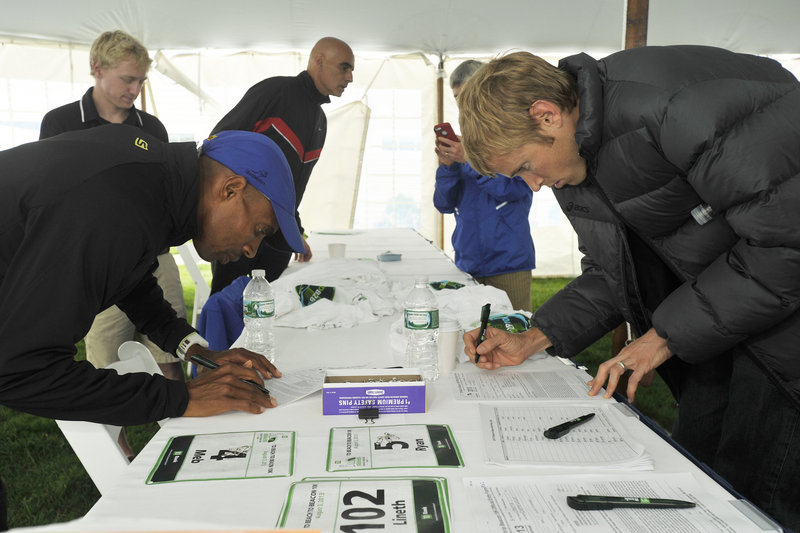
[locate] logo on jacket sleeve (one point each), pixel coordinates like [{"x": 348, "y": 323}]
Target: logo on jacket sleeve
[
  {"x": 140, "y": 143},
  {"x": 570, "y": 207}
]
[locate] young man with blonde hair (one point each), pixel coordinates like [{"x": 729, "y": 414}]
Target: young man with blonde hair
[
  {"x": 679, "y": 169},
  {"x": 119, "y": 63}
]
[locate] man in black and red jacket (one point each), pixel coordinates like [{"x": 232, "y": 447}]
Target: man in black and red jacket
[{"x": 287, "y": 109}]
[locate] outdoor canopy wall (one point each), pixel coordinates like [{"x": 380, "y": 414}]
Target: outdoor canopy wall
[{"x": 380, "y": 143}]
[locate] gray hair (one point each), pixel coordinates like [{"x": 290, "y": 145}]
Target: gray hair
[{"x": 462, "y": 72}]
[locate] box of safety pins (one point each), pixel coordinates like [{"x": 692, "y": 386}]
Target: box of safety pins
[{"x": 390, "y": 390}]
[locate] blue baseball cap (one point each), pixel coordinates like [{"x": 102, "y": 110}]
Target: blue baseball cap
[{"x": 261, "y": 162}]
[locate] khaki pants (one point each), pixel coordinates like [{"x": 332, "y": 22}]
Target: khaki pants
[
  {"x": 112, "y": 327},
  {"x": 517, "y": 286}
]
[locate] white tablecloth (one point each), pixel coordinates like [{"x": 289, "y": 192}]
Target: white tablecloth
[{"x": 256, "y": 503}]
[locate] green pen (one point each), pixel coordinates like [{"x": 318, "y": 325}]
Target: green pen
[
  {"x": 485, "y": 310},
  {"x": 586, "y": 502}
]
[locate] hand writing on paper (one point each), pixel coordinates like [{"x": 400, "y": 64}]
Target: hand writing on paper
[
  {"x": 222, "y": 389},
  {"x": 641, "y": 356},
  {"x": 237, "y": 356},
  {"x": 501, "y": 348}
]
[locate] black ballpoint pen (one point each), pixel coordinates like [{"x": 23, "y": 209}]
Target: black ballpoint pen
[
  {"x": 485, "y": 310},
  {"x": 585, "y": 502},
  {"x": 562, "y": 429},
  {"x": 208, "y": 363}
]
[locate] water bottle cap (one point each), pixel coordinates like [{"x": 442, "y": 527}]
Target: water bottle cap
[{"x": 259, "y": 272}]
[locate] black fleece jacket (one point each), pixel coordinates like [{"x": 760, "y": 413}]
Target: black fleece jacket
[
  {"x": 83, "y": 216},
  {"x": 669, "y": 134}
]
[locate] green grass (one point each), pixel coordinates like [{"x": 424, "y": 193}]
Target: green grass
[{"x": 46, "y": 483}]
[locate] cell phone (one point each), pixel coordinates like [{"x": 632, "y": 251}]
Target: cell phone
[{"x": 445, "y": 130}]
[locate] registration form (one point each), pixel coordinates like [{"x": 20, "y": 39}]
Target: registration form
[
  {"x": 534, "y": 504},
  {"x": 514, "y": 435},
  {"x": 566, "y": 384}
]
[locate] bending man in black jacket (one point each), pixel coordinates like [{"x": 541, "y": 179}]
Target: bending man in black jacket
[
  {"x": 679, "y": 169},
  {"x": 83, "y": 216},
  {"x": 287, "y": 109}
]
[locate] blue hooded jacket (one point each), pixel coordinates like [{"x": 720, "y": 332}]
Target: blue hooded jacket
[{"x": 492, "y": 234}]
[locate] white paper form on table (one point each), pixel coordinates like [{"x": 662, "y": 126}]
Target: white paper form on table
[
  {"x": 513, "y": 384},
  {"x": 514, "y": 435},
  {"x": 295, "y": 384},
  {"x": 539, "y": 504}
]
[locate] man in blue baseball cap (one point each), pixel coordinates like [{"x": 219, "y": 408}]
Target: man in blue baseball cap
[
  {"x": 264, "y": 167},
  {"x": 83, "y": 216}
]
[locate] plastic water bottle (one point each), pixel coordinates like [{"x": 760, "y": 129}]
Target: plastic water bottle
[
  {"x": 421, "y": 317},
  {"x": 258, "y": 312}
]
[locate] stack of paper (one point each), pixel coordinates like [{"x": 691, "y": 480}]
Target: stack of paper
[
  {"x": 514, "y": 435},
  {"x": 540, "y": 504}
]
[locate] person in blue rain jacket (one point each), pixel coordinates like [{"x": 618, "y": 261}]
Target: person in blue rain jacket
[{"x": 492, "y": 239}]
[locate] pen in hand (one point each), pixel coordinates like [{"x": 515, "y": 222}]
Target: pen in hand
[
  {"x": 208, "y": 363},
  {"x": 485, "y": 310}
]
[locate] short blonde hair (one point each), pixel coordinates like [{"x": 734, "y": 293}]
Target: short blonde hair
[
  {"x": 494, "y": 103},
  {"x": 115, "y": 46}
]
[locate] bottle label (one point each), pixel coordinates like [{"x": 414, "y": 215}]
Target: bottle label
[
  {"x": 425, "y": 319},
  {"x": 513, "y": 322},
  {"x": 259, "y": 308}
]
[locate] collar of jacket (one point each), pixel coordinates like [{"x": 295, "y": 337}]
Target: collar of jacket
[
  {"x": 308, "y": 83},
  {"x": 89, "y": 112},
  {"x": 589, "y": 133}
]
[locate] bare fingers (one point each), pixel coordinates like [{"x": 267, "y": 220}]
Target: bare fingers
[{"x": 220, "y": 391}]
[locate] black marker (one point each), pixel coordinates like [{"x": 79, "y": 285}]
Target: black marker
[
  {"x": 485, "y": 310},
  {"x": 585, "y": 502},
  {"x": 562, "y": 429},
  {"x": 208, "y": 363}
]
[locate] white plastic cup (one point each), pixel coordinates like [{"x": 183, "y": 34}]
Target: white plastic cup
[
  {"x": 449, "y": 333},
  {"x": 336, "y": 250}
]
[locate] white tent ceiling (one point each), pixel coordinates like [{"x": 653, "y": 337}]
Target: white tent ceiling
[
  {"x": 199, "y": 74},
  {"x": 449, "y": 27}
]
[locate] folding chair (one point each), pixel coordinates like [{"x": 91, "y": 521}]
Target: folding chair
[
  {"x": 97, "y": 445},
  {"x": 202, "y": 291}
]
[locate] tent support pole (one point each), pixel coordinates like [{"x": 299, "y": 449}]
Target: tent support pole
[
  {"x": 636, "y": 23},
  {"x": 636, "y": 13}
]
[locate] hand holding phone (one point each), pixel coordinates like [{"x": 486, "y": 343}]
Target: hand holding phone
[{"x": 445, "y": 130}]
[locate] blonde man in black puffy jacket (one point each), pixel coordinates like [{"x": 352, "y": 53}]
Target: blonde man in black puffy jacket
[{"x": 679, "y": 169}]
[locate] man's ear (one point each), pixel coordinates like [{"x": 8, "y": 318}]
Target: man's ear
[
  {"x": 545, "y": 113},
  {"x": 233, "y": 185},
  {"x": 97, "y": 71}
]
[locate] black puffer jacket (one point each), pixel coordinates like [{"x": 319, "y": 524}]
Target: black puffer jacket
[{"x": 669, "y": 130}]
